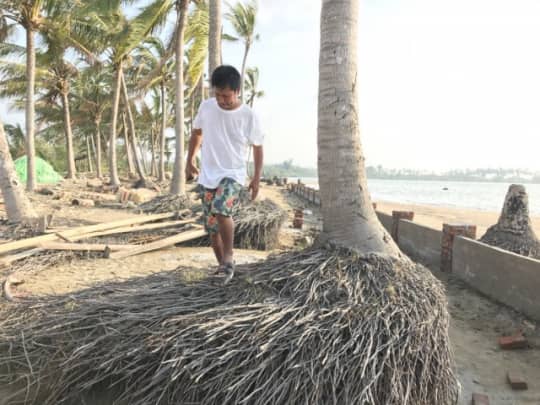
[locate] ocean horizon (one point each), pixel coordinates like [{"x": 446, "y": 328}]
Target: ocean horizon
[{"x": 484, "y": 196}]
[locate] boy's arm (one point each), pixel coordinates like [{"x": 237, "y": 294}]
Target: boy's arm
[
  {"x": 258, "y": 157},
  {"x": 194, "y": 144}
]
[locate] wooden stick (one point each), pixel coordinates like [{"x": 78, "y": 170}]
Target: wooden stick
[
  {"x": 92, "y": 247},
  {"x": 159, "y": 244},
  {"x": 31, "y": 242},
  {"x": 6, "y": 261}
]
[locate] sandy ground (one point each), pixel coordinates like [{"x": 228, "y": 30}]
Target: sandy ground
[{"x": 476, "y": 321}]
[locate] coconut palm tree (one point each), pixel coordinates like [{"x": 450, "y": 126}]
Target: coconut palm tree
[
  {"x": 214, "y": 36},
  {"x": 252, "y": 83},
  {"x": 243, "y": 19},
  {"x": 18, "y": 207},
  {"x": 178, "y": 183},
  {"x": 30, "y": 15},
  {"x": 349, "y": 221},
  {"x": 92, "y": 92}
]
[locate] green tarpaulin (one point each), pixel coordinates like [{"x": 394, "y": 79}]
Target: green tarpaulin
[{"x": 45, "y": 173}]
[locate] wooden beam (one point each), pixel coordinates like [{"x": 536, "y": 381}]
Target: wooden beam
[
  {"x": 72, "y": 233},
  {"x": 138, "y": 228},
  {"x": 6, "y": 261},
  {"x": 92, "y": 247},
  {"x": 160, "y": 244}
]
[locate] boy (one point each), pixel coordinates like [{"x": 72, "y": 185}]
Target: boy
[{"x": 228, "y": 127}]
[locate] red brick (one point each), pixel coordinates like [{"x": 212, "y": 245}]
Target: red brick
[
  {"x": 516, "y": 381},
  {"x": 516, "y": 341},
  {"x": 480, "y": 399}
]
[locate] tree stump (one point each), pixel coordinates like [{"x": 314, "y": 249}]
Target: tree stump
[{"x": 513, "y": 231}]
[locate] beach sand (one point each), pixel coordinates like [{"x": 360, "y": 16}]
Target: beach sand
[{"x": 434, "y": 216}]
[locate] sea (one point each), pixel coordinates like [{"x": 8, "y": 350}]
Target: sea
[{"x": 484, "y": 196}]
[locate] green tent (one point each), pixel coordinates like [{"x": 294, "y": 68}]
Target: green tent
[{"x": 45, "y": 173}]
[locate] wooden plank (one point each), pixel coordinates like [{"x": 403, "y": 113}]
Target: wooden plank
[
  {"x": 6, "y": 261},
  {"x": 160, "y": 244},
  {"x": 67, "y": 235},
  {"x": 138, "y": 228},
  {"x": 93, "y": 247}
]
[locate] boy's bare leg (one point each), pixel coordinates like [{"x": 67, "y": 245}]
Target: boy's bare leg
[
  {"x": 226, "y": 232},
  {"x": 217, "y": 245}
]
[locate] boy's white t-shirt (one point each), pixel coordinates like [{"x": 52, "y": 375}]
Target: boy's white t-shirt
[{"x": 226, "y": 137}]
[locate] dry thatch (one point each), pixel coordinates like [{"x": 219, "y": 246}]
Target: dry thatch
[
  {"x": 314, "y": 327},
  {"x": 256, "y": 225},
  {"x": 166, "y": 203},
  {"x": 513, "y": 231}
]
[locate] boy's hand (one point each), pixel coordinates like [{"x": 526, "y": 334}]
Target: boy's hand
[
  {"x": 191, "y": 171},
  {"x": 254, "y": 188}
]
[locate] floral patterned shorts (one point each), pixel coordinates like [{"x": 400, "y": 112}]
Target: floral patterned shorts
[{"x": 219, "y": 201}]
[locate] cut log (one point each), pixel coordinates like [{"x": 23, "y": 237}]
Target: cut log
[
  {"x": 69, "y": 234},
  {"x": 83, "y": 202},
  {"x": 160, "y": 244},
  {"x": 91, "y": 247}
]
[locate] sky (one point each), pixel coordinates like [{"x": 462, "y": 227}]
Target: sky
[{"x": 443, "y": 84}]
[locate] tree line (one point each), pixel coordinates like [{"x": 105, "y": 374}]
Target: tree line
[{"x": 99, "y": 87}]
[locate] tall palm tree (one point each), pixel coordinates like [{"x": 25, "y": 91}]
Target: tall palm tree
[
  {"x": 214, "y": 36},
  {"x": 30, "y": 15},
  {"x": 243, "y": 19},
  {"x": 18, "y": 207},
  {"x": 252, "y": 84},
  {"x": 92, "y": 96},
  {"x": 346, "y": 205},
  {"x": 178, "y": 183}
]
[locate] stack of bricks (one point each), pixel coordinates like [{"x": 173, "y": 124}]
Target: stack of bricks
[
  {"x": 396, "y": 217},
  {"x": 450, "y": 231}
]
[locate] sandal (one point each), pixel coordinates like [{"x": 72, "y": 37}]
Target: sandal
[{"x": 228, "y": 268}]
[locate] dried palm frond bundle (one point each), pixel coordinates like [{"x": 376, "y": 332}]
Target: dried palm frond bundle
[
  {"x": 166, "y": 203},
  {"x": 257, "y": 225},
  {"x": 513, "y": 231},
  {"x": 322, "y": 326}
]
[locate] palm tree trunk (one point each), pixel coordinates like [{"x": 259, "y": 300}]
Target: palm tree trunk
[
  {"x": 18, "y": 207},
  {"x": 348, "y": 215},
  {"x": 214, "y": 38},
  {"x": 127, "y": 144},
  {"x": 131, "y": 123},
  {"x": 30, "y": 113},
  {"x": 178, "y": 183},
  {"x": 244, "y": 60},
  {"x": 89, "y": 155},
  {"x": 71, "y": 169},
  {"x": 161, "y": 171},
  {"x": 153, "y": 167},
  {"x": 98, "y": 148},
  {"x": 113, "y": 168}
]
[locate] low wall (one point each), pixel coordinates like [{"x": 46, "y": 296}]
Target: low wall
[
  {"x": 420, "y": 242},
  {"x": 506, "y": 277},
  {"x": 386, "y": 221}
]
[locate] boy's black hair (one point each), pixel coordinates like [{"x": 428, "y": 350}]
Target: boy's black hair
[{"x": 226, "y": 76}]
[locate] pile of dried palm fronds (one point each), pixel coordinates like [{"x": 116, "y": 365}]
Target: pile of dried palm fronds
[
  {"x": 256, "y": 225},
  {"x": 166, "y": 203},
  {"x": 315, "y": 327}
]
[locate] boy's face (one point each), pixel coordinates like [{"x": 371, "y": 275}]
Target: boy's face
[{"x": 227, "y": 98}]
